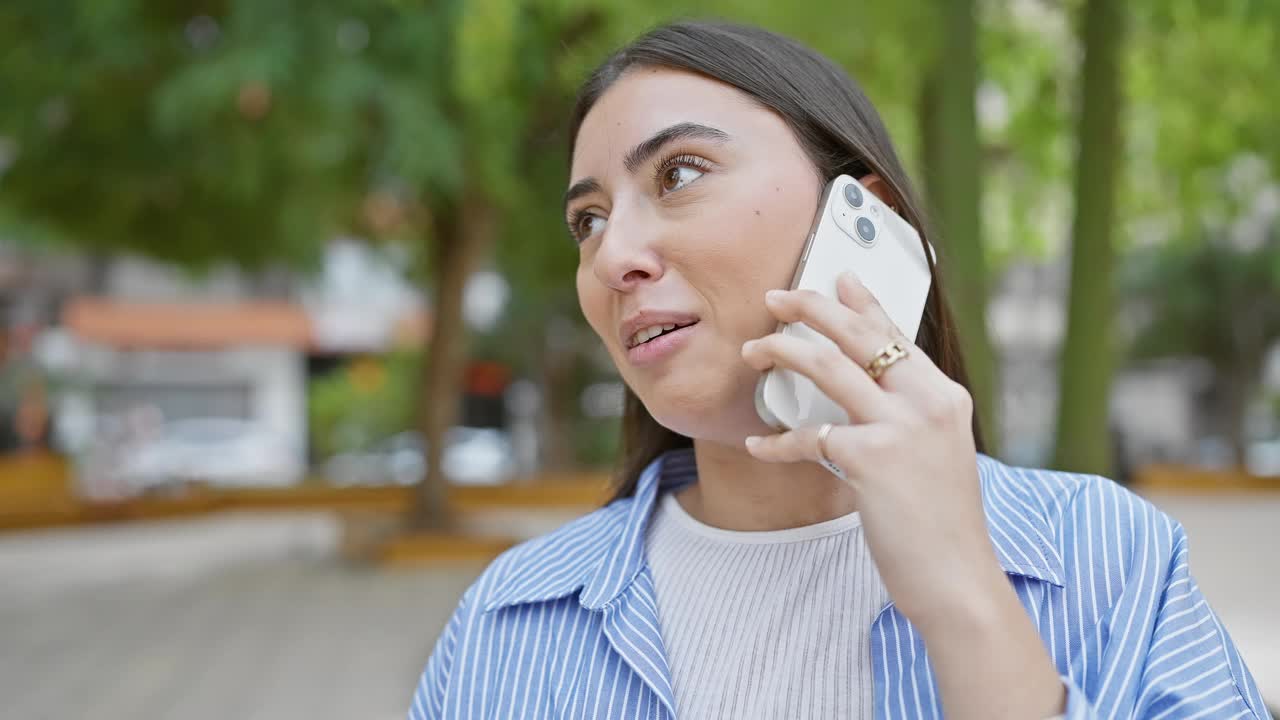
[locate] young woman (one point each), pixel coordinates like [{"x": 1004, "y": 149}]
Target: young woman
[{"x": 732, "y": 576}]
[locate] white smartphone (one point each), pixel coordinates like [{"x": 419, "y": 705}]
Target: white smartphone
[{"x": 852, "y": 230}]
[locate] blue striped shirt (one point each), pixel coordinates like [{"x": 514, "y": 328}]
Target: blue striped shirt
[{"x": 566, "y": 625}]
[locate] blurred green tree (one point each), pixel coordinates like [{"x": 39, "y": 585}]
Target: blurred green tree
[
  {"x": 1201, "y": 75},
  {"x": 951, "y": 166},
  {"x": 254, "y": 131},
  {"x": 1217, "y": 297},
  {"x": 1083, "y": 442},
  {"x": 1194, "y": 77}
]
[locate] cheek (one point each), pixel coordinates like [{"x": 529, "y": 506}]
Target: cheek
[
  {"x": 778, "y": 223},
  {"x": 761, "y": 228},
  {"x": 746, "y": 246},
  {"x": 596, "y": 302},
  {"x": 592, "y": 299}
]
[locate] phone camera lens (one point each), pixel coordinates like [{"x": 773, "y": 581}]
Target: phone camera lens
[
  {"x": 866, "y": 229},
  {"x": 853, "y": 195}
]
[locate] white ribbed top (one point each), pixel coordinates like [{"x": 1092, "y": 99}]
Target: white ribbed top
[{"x": 770, "y": 624}]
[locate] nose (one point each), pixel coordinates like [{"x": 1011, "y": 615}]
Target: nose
[{"x": 628, "y": 254}]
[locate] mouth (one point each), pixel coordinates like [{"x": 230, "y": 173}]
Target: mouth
[{"x": 646, "y": 335}]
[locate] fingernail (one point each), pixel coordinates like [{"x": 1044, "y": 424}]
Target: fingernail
[
  {"x": 773, "y": 296},
  {"x": 747, "y": 345},
  {"x": 752, "y": 442}
]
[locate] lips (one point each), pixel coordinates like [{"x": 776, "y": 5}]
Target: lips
[
  {"x": 652, "y": 318},
  {"x": 653, "y": 332},
  {"x": 660, "y": 347}
]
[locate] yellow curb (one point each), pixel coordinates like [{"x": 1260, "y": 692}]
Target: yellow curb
[
  {"x": 74, "y": 513},
  {"x": 1180, "y": 478},
  {"x": 554, "y": 491},
  {"x": 429, "y": 549}
]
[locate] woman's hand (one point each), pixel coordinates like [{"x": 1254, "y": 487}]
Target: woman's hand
[
  {"x": 909, "y": 455},
  {"x": 909, "y": 452}
]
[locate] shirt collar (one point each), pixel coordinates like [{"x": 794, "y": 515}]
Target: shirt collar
[
  {"x": 599, "y": 553},
  {"x": 602, "y": 552}
]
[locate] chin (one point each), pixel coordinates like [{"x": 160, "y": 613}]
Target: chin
[{"x": 709, "y": 406}]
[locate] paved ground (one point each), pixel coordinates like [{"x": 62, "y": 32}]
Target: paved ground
[
  {"x": 243, "y": 616},
  {"x": 233, "y": 617}
]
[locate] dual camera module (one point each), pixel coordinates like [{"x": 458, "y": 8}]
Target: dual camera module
[{"x": 863, "y": 228}]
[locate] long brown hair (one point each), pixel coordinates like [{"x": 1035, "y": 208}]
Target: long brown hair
[{"x": 838, "y": 128}]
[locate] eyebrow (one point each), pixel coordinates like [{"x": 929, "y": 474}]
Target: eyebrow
[{"x": 646, "y": 150}]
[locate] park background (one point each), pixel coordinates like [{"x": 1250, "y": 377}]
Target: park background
[{"x": 290, "y": 348}]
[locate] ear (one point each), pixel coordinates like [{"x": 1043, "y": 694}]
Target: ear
[{"x": 880, "y": 189}]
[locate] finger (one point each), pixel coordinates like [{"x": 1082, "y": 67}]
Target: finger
[
  {"x": 830, "y": 370},
  {"x": 856, "y": 296},
  {"x": 790, "y": 446},
  {"x": 846, "y": 445},
  {"x": 856, "y": 336},
  {"x": 910, "y": 374}
]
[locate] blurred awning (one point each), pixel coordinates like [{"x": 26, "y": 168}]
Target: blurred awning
[{"x": 211, "y": 325}]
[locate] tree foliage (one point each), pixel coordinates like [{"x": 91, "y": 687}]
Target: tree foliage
[
  {"x": 248, "y": 132},
  {"x": 251, "y": 131}
]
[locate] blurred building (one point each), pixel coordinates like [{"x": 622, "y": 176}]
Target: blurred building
[{"x": 139, "y": 348}]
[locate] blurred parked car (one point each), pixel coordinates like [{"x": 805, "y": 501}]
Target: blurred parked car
[
  {"x": 478, "y": 456},
  {"x": 219, "y": 451},
  {"x": 1263, "y": 458},
  {"x": 473, "y": 456},
  {"x": 398, "y": 460}
]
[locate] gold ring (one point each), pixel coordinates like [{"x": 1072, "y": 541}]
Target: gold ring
[
  {"x": 888, "y": 355},
  {"x": 823, "y": 432}
]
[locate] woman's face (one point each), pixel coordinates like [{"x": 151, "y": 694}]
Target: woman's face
[{"x": 689, "y": 201}]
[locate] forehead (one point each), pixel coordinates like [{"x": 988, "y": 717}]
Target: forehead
[{"x": 646, "y": 100}]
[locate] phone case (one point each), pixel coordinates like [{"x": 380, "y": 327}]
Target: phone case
[{"x": 852, "y": 230}]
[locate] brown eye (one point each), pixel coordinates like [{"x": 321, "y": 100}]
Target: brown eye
[
  {"x": 671, "y": 179},
  {"x": 583, "y": 228},
  {"x": 677, "y": 176}
]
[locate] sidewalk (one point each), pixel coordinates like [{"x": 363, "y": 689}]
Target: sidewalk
[{"x": 225, "y": 617}]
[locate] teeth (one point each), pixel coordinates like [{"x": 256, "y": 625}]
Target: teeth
[{"x": 650, "y": 333}]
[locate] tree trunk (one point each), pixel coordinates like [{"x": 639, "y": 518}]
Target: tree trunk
[
  {"x": 463, "y": 236},
  {"x": 558, "y": 408},
  {"x": 1236, "y": 377},
  {"x": 952, "y": 168},
  {"x": 1236, "y": 389},
  {"x": 1087, "y": 358}
]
